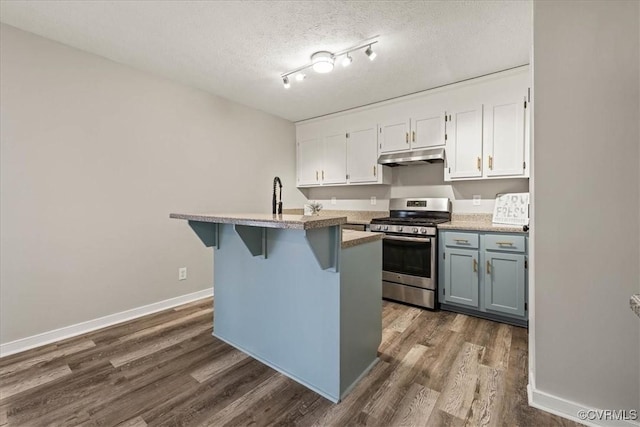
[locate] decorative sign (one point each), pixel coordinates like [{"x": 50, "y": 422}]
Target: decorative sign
[{"x": 512, "y": 209}]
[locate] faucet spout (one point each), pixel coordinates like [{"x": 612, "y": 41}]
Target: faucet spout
[{"x": 276, "y": 201}]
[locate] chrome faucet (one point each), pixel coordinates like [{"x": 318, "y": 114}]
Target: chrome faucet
[{"x": 276, "y": 206}]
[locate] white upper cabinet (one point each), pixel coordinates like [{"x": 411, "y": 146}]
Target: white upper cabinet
[
  {"x": 309, "y": 161},
  {"x": 362, "y": 155},
  {"x": 334, "y": 159},
  {"x": 425, "y": 129},
  {"x": 505, "y": 137},
  {"x": 464, "y": 142},
  {"x": 428, "y": 130},
  {"x": 394, "y": 136},
  {"x": 483, "y": 125},
  {"x": 333, "y": 152}
]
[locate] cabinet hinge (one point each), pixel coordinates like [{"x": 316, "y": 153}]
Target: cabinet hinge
[
  {"x": 347, "y": 176},
  {"x": 380, "y": 145},
  {"x": 346, "y": 135},
  {"x": 444, "y": 255},
  {"x": 445, "y": 136},
  {"x": 524, "y": 165},
  {"x": 525, "y": 104},
  {"x": 526, "y": 264},
  {"x": 380, "y": 130},
  {"x": 526, "y": 306},
  {"x": 444, "y": 291},
  {"x": 445, "y": 117},
  {"x": 449, "y": 170},
  {"x": 529, "y": 94}
]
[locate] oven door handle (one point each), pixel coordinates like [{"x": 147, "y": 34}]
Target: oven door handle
[{"x": 408, "y": 239}]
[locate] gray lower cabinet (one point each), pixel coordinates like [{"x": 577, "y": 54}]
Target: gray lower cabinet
[{"x": 484, "y": 274}]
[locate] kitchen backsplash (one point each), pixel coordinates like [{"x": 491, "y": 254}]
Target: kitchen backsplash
[{"x": 417, "y": 181}]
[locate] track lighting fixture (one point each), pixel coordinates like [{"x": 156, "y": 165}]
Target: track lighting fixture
[{"x": 322, "y": 62}]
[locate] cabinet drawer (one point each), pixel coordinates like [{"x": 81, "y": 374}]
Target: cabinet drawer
[
  {"x": 461, "y": 240},
  {"x": 498, "y": 242}
]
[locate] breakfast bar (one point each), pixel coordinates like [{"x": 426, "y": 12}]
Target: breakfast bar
[{"x": 297, "y": 293}]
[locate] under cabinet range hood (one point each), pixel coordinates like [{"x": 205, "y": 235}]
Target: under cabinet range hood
[{"x": 427, "y": 155}]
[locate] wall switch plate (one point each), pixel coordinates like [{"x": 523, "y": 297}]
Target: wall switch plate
[
  {"x": 182, "y": 273},
  {"x": 476, "y": 199},
  {"x": 373, "y": 200},
  {"x": 333, "y": 200}
]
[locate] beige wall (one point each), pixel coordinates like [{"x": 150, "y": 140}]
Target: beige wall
[
  {"x": 586, "y": 197},
  {"x": 94, "y": 157}
]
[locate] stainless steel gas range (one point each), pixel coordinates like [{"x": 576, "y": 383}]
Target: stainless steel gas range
[{"x": 410, "y": 248}]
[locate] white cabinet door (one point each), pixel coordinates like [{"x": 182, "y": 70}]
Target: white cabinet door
[
  {"x": 427, "y": 130},
  {"x": 394, "y": 136},
  {"x": 464, "y": 143},
  {"x": 309, "y": 161},
  {"x": 334, "y": 159},
  {"x": 362, "y": 155},
  {"x": 505, "y": 138}
]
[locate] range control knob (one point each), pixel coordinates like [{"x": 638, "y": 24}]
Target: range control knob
[
  {"x": 399, "y": 228},
  {"x": 423, "y": 230},
  {"x": 386, "y": 227},
  {"x": 415, "y": 230},
  {"x": 375, "y": 227}
]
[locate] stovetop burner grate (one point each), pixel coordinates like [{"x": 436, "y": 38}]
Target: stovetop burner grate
[{"x": 412, "y": 221}]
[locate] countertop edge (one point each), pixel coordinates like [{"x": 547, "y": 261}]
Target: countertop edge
[
  {"x": 480, "y": 226},
  {"x": 356, "y": 238},
  {"x": 301, "y": 223}
]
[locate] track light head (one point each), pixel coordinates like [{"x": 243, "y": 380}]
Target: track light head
[
  {"x": 285, "y": 82},
  {"x": 370, "y": 53}
]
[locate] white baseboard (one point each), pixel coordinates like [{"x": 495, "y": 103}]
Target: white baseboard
[
  {"x": 568, "y": 409},
  {"x": 48, "y": 337}
]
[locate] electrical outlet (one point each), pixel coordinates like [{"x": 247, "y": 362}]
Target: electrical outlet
[
  {"x": 373, "y": 200},
  {"x": 182, "y": 273},
  {"x": 333, "y": 200},
  {"x": 476, "y": 199}
]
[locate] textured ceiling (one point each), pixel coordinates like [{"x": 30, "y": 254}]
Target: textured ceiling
[{"x": 238, "y": 49}]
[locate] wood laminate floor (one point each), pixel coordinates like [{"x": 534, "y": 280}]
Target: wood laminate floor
[{"x": 435, "y": 369}]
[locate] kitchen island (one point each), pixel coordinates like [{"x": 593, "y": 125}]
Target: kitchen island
[{"x": 292, "y": 292}]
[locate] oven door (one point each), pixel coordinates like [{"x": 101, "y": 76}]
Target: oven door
[{"x": 409, "y": 260}]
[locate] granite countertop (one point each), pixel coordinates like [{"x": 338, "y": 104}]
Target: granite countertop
[
  {"x": 296, "y": 222},
  {"x": 352, "y": 238},
  {"x": 478, "y": 222},
  {"x": 353, "y": 217},
  {"x": 635, "y": 304}
]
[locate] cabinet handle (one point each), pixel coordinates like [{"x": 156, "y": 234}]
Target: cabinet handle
[
  {"x": 413, "y": 136},
  {"x": 461, "y": 240},
  {"x": 488, "y": 267},
  {"x": 323, "y": 175},
  {"x": 504, "y": 243},
  {"x": 374, "y": 170},
  {"x": 479, "y": 163},
  {"x": 475, "y": 266},
  {"x": 316, "y": 175},
  {"x": 490, "y": 162},
  {"x": 406, "y": 137}
]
